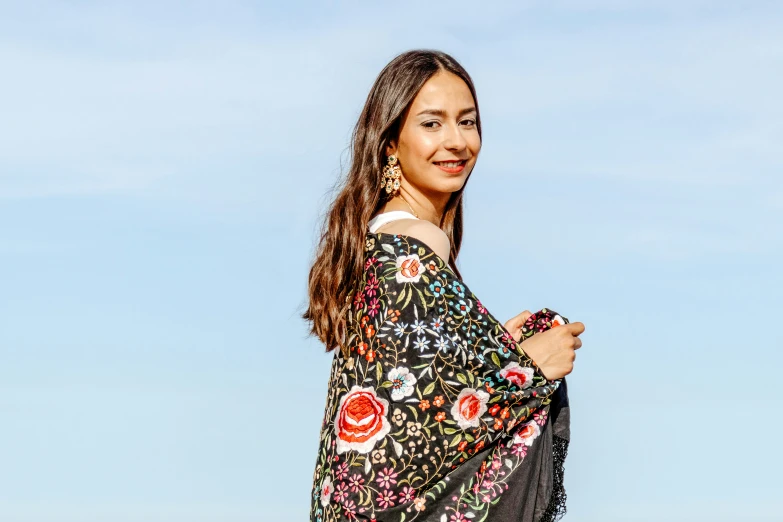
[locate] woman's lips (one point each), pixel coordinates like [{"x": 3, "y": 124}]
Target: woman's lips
[{"x": 451, "y": 169}]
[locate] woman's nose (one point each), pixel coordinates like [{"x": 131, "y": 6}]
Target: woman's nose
[{"x": 454, "y": 139}]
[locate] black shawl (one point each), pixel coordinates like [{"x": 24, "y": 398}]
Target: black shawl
[{"x": 434, "y": 411}]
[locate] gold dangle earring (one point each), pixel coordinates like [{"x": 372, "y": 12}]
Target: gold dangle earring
[{"x": 391, "y": 176}]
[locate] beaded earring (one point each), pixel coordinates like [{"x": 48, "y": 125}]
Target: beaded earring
[{"x": 391, "y": 176}]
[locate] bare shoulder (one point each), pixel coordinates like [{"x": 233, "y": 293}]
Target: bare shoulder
[{"x": 425, "y": 232}]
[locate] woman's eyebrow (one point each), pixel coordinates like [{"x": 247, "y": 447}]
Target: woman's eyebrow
[{"x": 442, "y": 113}]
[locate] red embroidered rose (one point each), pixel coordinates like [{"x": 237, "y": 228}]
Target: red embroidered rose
[
  {"x": 469, "y": 407},
  {"x": 361, "y": 420},
  {"x": 527, "y": 433},
  {"x": 522, "y": 377}
]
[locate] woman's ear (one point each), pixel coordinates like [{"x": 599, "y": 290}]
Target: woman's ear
[{"x": 391, "y": 148}]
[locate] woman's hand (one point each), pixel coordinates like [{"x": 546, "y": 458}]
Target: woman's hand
[
  {"x": 514, "y": 325},
  {"x": 553, "y": 350}
]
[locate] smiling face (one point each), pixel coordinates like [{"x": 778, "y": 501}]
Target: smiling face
[{"x": 439, "y": 141}]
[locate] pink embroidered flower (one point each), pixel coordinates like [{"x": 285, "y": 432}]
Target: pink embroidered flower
[
  {"x": 360, "y": 420},
  {"x": 342, "y": 471},
  {"x": 341, "y": 492},
  {"x": 520, "y": 376},
  {"x": 407, "y": 494},
  {"x": 386, "y": 498},
  {"x": 349, "y": 508},
  {"x": 386, "y": 477},
  {"x": 326, "y": 491},
  {"x": 373, "y": 307},
  {"x": 371, "y": 287},
  {"x": 356, "y": 482},
  {"x": 540, "y": 417},
  {"x": 409, "y": 269},
  {"x": 520, "y": 450},
  {"x": 468, "y": 407}
]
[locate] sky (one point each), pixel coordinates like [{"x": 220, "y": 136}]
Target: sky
[{"x": 164, "y": 170}]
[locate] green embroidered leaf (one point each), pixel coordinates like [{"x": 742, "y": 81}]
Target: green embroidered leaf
[
  {"x": 430, "y": 387},
  {"x": 408, "y": 299},
  {"x": 400, "y": 296},
  {"x": 456, "y": 440},
  {"x": 469, "y": 437},
  {"x": 449, "y": 431},
  {"x": 495, "y": 358},
  {"x": 378, "y": 371},
  {"x": 461, "y": 378}
]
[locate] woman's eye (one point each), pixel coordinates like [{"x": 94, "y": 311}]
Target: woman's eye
[
  {"x": 469, "y": 122},
  {"x": 430, "y": 124}
]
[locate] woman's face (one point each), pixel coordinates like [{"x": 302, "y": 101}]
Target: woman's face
[{"x": 439, "y": 141}]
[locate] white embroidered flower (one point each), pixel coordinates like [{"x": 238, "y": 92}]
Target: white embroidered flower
[
  {"x": 402, "y": 382},
  {"x": 326, "y": 491},
  {"x": 409, "y": 269},
  {"x": 421, "y": 343},
  {"x": 469, "y": 407}
]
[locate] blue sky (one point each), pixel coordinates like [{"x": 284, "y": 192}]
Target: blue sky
[{"x": 163, "y": 170}]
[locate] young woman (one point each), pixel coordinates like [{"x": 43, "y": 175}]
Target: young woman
[{"x": 434, "y": 410}]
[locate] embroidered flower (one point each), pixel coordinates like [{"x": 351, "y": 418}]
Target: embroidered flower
[
  {"x": 413, "y": 429},
  {"x": 402, "y": 383},
  {"x": 399, "y": 416},
  {"x": 326, "y": 491},
  {"x": 527, "y": 433},
  {"x": 522, "y": 377},
  {"x": 378, "y": 456},
  {"x": 407, "y": 494},
  {"x": 360, "y": 420},
  {"x": 469, "y": 407},
  {"x": 421, "y": 343},
  {"x": 371, "y": 287},
  {"x": 436, "y": 287},
  {"x": 386, "y": 477},
  {"x": 420, "y": 503},
  {"x": 386, "y": 499},
  {"x": 356, "y": 483},
  {"x": 341, "y": 493},
  {"x": 373, "y": 307},
  {"x": 408, "y": 269},
  {"x": 540, "y": 417}
]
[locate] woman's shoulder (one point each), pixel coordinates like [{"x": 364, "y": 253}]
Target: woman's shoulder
[{"x": 423, "y": 231}]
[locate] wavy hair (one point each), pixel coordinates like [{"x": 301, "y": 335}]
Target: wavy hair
[{"x": 339, "y": 258}]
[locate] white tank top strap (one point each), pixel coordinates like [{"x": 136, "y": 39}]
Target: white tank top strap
[{"x": 387, "y": 217}]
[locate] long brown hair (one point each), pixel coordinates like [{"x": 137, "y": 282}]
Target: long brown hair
[{"x": 339, "y": 258}]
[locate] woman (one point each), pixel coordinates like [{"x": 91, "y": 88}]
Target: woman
[{"x": 434, "y": 411}]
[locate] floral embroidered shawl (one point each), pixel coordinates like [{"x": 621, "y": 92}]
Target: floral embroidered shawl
[{"x": 434, "y": 412}]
